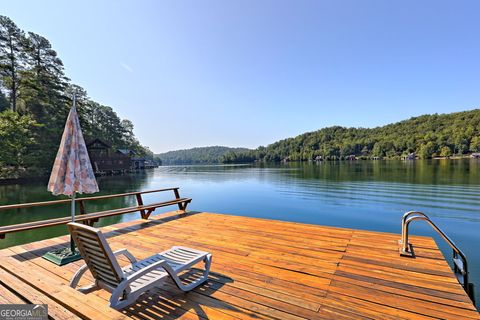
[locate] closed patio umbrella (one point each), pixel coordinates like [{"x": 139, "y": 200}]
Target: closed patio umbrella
[{"x": 72, "y": 173}]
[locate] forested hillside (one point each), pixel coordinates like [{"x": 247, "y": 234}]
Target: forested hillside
[
  {"x": 35, "y": 98},
  {"x": 428, "y": 136},
  {"x": 204, "y": 155}
]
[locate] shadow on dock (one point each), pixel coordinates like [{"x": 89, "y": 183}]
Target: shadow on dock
[{"x": 170, "y": 302}]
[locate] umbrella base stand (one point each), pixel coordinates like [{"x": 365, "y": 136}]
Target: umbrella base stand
[{"x": 62, "y": 256}]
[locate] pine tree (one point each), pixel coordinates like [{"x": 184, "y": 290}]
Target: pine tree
[
  {"x": 12, "y": 58},
  {"x": 45, "y": 80}
]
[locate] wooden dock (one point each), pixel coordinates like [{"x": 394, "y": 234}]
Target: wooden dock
[{"x": 262, "y": 269}]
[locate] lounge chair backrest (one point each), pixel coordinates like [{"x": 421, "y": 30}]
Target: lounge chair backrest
[{"x": 97, "y": 254}]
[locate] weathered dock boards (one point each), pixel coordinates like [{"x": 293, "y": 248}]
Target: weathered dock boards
[{"x": 261, "y": 269}]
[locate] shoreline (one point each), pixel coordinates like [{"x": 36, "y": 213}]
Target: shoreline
[{"x": 10, "y": 181}]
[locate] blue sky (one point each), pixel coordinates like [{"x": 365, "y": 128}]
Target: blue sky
[{"x": 247, "y": 73}]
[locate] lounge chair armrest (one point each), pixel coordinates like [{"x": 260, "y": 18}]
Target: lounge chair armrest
[
  {"x": 76, "y": 277},
  {"x": 126, "y": 253},
  {"x": 144, "y": 271},
  {"x": 123, "y": 287}
]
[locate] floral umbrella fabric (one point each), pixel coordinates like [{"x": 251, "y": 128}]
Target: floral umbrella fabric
[{"x": 72, "y": 171}]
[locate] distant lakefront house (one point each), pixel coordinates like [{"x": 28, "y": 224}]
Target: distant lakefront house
[
  {"x": 411, "y": 156},
  {"x": 475, "y": 155},
  {"x": 126, "y": 152},
  {"x": 104, "y": 161},
  {"x": 136, "y": 163}
]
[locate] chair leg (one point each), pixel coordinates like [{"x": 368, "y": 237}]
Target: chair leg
[
  {"x": 76, "y": 278},
  {"x": 120, "y": 298},
  {"x": 89, "y": 288},
  {"x": 208, "y": 262}
]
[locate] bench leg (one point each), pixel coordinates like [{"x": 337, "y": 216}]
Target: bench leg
[
  {"x": 90, "y": 222},
  {"x": 140, "y": 203},
  {"x": 147, "y": 214},
  {"x": 184, "y": 206},
  {"x": 180, "y": 207}
]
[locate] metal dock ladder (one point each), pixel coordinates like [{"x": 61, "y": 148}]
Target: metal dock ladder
[{"x": 460, "y": 263}]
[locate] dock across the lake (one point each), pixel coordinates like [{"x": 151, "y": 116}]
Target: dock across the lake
[{"x": 261, "y": 269}]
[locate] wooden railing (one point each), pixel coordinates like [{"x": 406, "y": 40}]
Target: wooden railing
[{"x": 91, "y": 218}]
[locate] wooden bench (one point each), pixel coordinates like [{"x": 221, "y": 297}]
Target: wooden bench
[{"x": 90, "y": 218}]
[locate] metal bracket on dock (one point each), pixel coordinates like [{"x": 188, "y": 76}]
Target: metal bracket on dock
[{"x": 460, "y": 263}]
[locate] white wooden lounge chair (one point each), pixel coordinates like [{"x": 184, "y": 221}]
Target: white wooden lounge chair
[{"x": 128, "y": 283}]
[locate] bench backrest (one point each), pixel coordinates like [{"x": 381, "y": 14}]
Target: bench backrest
[{"x": 97, "y": 254}]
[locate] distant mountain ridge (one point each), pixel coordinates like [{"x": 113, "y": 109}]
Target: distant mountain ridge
[
  {"x": 426, "y": 136},
  {"x": 199, "y": 155}
]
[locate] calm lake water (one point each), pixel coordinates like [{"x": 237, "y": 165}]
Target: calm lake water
[{"x": 371, "y": 195}]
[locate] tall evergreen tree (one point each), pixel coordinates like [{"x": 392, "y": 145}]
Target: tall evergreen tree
[
  {"x": 45, "y": 80},
  {"x": 12, "y": 57}
]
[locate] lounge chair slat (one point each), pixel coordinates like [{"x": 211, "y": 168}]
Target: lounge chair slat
[
  {"x": 87, "y": 240},
  {"x": 175, "y": 258},
  {"x": 183, "y": 254},
  {"x": 103, "y": 268}
]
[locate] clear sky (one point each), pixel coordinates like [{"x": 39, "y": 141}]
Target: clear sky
[{"x": 250, "y": 72}]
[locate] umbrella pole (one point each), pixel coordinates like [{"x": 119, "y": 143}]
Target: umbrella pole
[
  {"x": 65, "y": 255},
  {"x": 73, "y": 207},
  {"x": 72, "y": 244}
]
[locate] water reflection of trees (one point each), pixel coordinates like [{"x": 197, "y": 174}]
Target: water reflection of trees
[
  {"x": 417, "y": 172},
  {"x": 429, "y": 172},
  {"x": 443, "y": 188}
]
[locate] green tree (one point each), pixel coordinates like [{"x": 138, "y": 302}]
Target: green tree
[
  {"x": 12, "y": 57},
  {"x": 475, "y": 144},
  {"x": 426, "y": 150},
  {"x": 365, "y": 151},
  {"x": 3, "y": 102},
  {"x": 445, "y": 151},
  {"x": 45, "y": 81},
  {"x": 16, "y": 137},
  {"x": 377, "y": 150}
]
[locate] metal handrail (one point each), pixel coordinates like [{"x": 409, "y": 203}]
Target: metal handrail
[{"x": 460, "y": 265}]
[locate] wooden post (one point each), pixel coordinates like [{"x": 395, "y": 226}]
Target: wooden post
[
  {"x": 82, "y": 207},
  {"x": 177, "y": 196},
  {"x": 140, "y": 203},
  {"x": 83, "y": 211}
]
